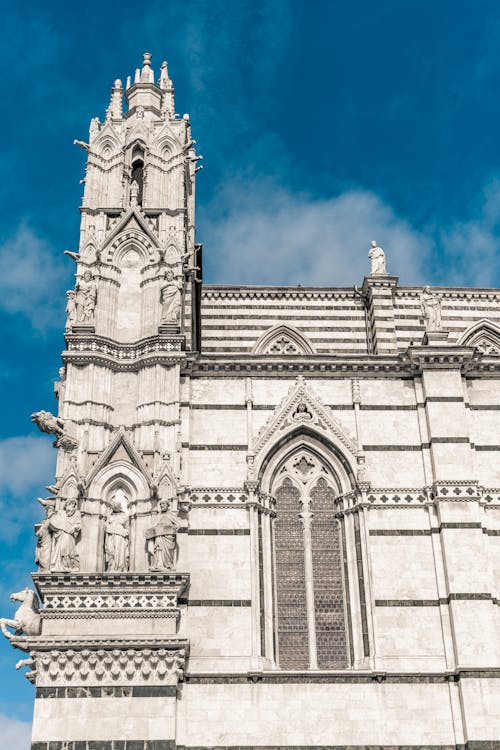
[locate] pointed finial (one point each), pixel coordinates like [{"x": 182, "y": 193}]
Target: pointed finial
[
  {"x": 129, "y": 82},
  {"x": 116, "y": 103},
  {"x": 147, "y": 75},
  {"x": 137, "y": 77}
]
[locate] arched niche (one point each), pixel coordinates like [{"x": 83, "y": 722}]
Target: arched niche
[
  {"x": 123, "y": 478},
  {"x": 130, "y": 260}
]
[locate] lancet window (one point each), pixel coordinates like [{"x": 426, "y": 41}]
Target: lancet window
[{"x": 310, "y": 628}]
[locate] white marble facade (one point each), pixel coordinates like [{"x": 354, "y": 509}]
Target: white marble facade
[{"x": 276, "y": 515}]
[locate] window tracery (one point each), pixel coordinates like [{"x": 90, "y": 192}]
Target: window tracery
[{"x": 311, "y": 631}]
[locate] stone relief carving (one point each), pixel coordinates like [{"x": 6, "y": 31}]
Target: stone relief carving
[
  {"x": 302, "y": 413},
  {"x": 430, "y": 305},
  {"x": 116, "y": 544},
  {"x": 486, "y": 346},
  {"x": 86, "y": 298},
  {"x": 283, "y": 345},
  {"x": 26, "y": 620},
  {"x": 377, "y": 257},
  {"x": 161, "y": 538},
  {"x": 65, "y": 526},
  {"x": 101, "y": 666},
  {"x": 171, "y": 298}
]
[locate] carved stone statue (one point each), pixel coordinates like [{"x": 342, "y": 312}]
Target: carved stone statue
[
  {"x": 116, "y": 544},
  {"x": 430, "y": 305},
  {"x": 377, "y": 257},
  {"x": 171, "y": 298},
  {"x": 86, "y": 298},
  {"x": 134, "y": 193},
  {"x": 26, "y": 620},
  {"x": 44, "y": 533},
  {"x": 65, "y": 526},
  {"x": 70, "y": 309},
  {"x": 46, "y": 422},
  {"x": 162, "y": 538}
]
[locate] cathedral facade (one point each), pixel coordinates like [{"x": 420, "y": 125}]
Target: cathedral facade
[{"x": 275, "y": 521}]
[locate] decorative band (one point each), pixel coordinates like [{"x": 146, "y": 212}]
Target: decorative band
[{"x": 108, "y": 691}]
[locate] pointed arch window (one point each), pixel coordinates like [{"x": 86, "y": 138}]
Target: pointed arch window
[
  {"x": 311, "y": 626},
  {"x": 137, "y": 174}
]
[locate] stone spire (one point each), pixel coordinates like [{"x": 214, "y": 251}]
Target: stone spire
[
  {"x": 167, "y": 87},
  {"x": 116, "y": 102}
]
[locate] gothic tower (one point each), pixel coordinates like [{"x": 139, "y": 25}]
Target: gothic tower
[{"x": 275, "y": 521}]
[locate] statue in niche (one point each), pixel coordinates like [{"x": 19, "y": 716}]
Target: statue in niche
[
  {"x": 430, "y": 305},
  {"x": 70, "y": 308},
  {"x": 44, "y": 534},
  {"x": 162, "y": 538},
  {"x": 134, "y": 193},
  {"x": 116, "y": 544},
  {"x": 171, "y": 298},
  {"x": 86, "y": 298},
  {"x": 65, "y": 525},
  {"x": 377, "y": 257}
]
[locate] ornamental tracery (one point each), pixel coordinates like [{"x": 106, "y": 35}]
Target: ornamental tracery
[{"x": 311, "y": 630}]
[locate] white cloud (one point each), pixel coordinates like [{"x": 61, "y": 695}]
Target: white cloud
[
  {"x": 14, "y": 734},
  {"x": 31, "y": 278},
  {"x": 25, "y": 462},
  {"x": 26, "y": 466},
  {"x": 261, "y": 234},
  {"x": 258, "y": 233},
  {"x": 471, "y": 247}
]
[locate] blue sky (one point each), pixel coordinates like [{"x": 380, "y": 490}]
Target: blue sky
[{"x": 322, "y": 124}]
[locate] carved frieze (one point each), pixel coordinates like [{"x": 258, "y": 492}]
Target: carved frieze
[{"x": 84, "y": 664}]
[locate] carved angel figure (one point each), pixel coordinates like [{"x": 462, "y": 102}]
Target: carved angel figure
[
  {"x": 46, "y": 422},
  {"x": 430, "y": 305},
  {"x": 162, "y": 538},
  {"x": 171, "y": 298},
  {"x": 65, "y": 526},
  {"x": 116, "y": 545},
  {"x": 86, "y": 298},
  {"x": 377, "y": 257}
]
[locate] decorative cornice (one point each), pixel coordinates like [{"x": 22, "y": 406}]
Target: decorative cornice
[
  {"x": 80, "y": 662},
  {"x": 258, "y": 292},
  {"x": 82, "y": 584},
  {"x": 86, "y": 348}
]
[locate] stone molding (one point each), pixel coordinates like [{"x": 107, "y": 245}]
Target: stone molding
[
  {"x": 221, "y": 497},
  {"x": 110, "y": 595},
  {"x": 100, "y": 349},
  {"x": 405, "y": 364},
  {"x": 249, "y": 292}
]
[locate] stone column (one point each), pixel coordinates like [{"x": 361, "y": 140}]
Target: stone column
[{"x": 306, "y": 517}]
